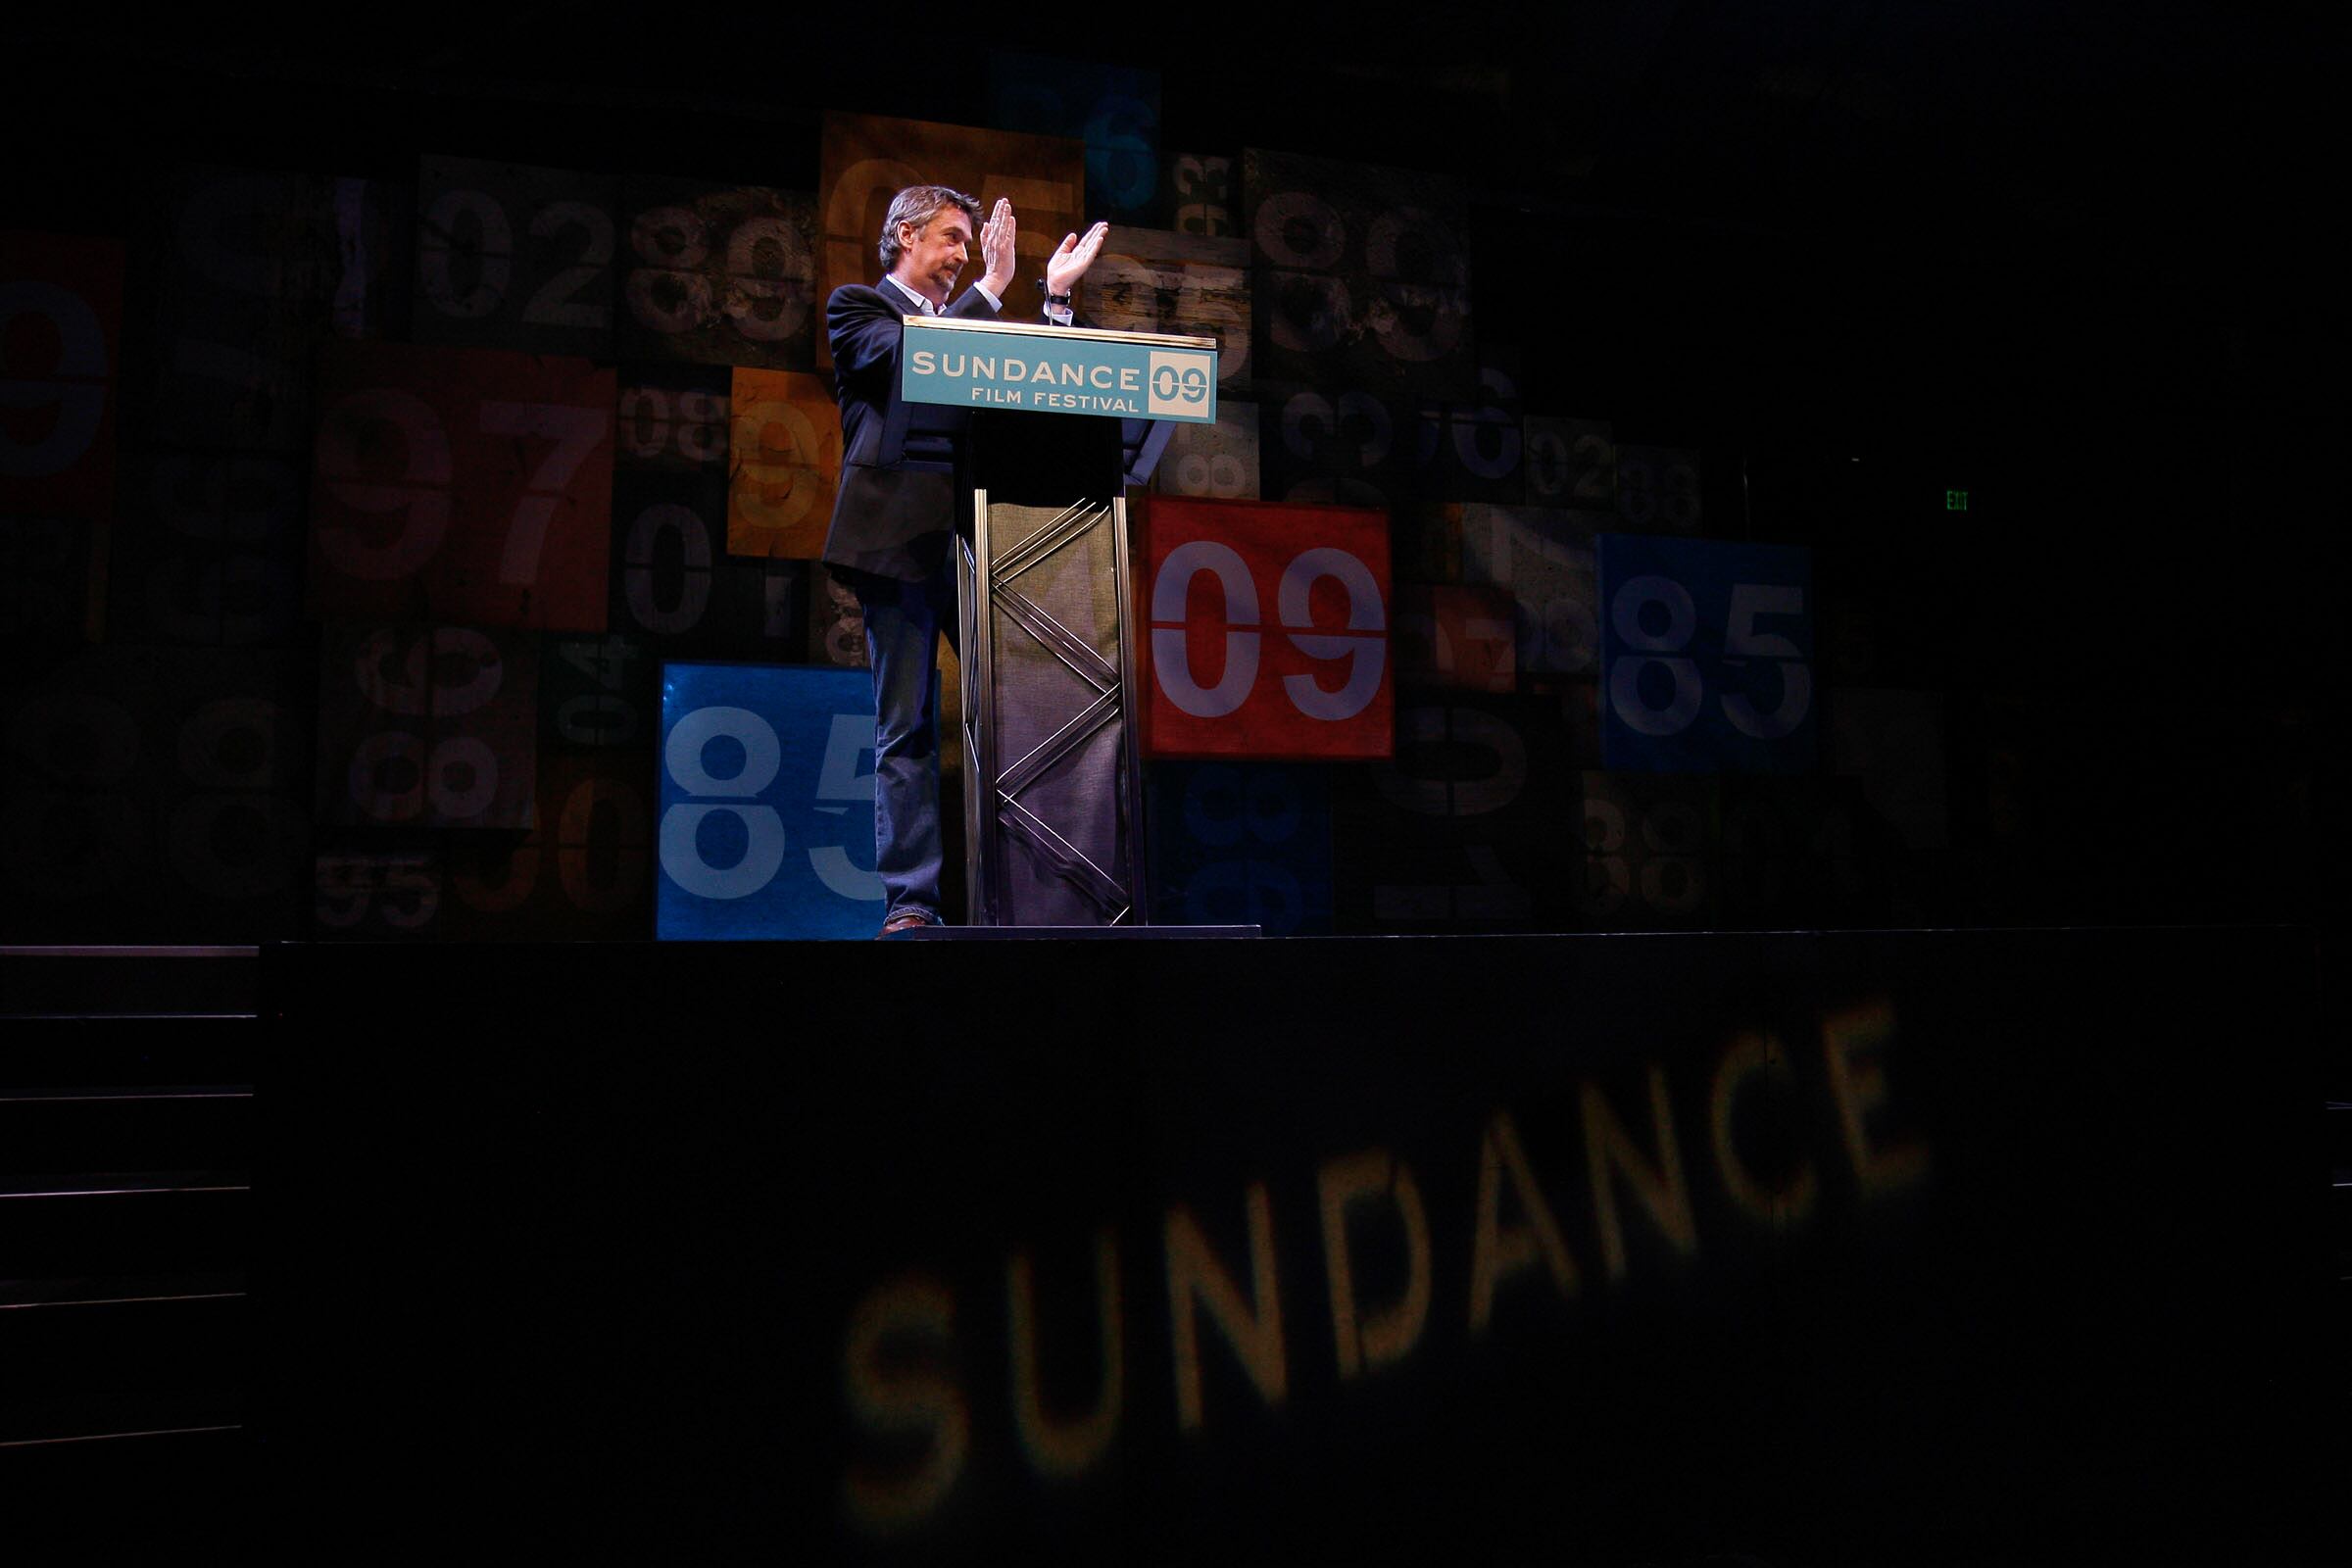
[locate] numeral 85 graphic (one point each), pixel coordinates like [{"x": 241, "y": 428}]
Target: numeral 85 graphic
[
  {"x": 758, "y": 825},
  {"x": 1743, "y": 639},
  {"x": 1708, "y": 656}
]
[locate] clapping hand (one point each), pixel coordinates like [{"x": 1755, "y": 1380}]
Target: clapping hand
[
  {"x": 996, "y": 248},
  {"x": 1071, "y": 259}
]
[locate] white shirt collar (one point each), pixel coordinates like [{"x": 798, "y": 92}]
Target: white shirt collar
[{"x": 921, "y": 304}]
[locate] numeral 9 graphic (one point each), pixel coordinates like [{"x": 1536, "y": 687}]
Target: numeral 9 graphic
[
  {"x": 1364, "y": 645},
  {"x": 417, "y": 493},
  {"x": 73, "y": 384},
  {"x": 784, "y": 451},
  {"x": 799, "y": 450}
]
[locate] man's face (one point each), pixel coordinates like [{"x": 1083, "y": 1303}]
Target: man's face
[{"x": 930, "y": 260}]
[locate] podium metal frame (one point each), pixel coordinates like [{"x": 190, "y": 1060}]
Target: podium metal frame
[{"x": 986, "y": 580}]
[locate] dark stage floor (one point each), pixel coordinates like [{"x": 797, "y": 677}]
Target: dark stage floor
[{"x": 1794, "y": 1248}]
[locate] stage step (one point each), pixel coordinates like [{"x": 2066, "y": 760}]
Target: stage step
[
  {"x": 138, "y": 980},
  {"x": 127, "y": 1142},
  {"x": 140, "y": 1222},
  {"x": 68, "y": 1128},
  {"x": 81, "y": 1367},
  {"x": 107, "y": 1290},
  {"x": 47, "y": 1051},
  {"x": 206, "y": 1417}
]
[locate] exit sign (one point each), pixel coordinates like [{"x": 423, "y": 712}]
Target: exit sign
[{"x": 1955, "y": 501}]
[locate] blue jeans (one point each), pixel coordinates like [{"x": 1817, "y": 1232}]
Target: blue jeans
[{"x": 903, "y": 622}]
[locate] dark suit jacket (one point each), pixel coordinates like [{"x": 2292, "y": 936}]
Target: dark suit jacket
[{"x": 893, "y": 517}]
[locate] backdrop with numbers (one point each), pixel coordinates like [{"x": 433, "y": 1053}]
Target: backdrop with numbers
[{"x": 378, "y": 511}]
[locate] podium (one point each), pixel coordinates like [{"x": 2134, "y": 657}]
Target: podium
[{"x": 1045, "y": 428}]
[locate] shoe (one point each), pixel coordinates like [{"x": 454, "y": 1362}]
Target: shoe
[{"x": 905, "y": 920}]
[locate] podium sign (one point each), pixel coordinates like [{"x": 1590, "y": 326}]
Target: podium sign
[{"x": 1006, "y": 364}]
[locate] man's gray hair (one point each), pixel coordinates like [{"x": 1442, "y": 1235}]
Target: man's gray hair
[{"x": 918, "y": 204}]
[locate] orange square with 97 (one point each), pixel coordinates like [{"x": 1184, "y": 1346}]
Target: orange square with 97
[{"x": 462, "y": 485}]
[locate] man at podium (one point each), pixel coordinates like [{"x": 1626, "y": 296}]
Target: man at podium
[{"x": 894, "y": 522}]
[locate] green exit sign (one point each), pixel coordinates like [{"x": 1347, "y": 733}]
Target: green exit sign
[{"x": 1955, "y": 501}]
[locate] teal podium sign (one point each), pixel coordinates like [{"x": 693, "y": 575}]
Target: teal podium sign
[{"x": 1006, "y": 364}]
